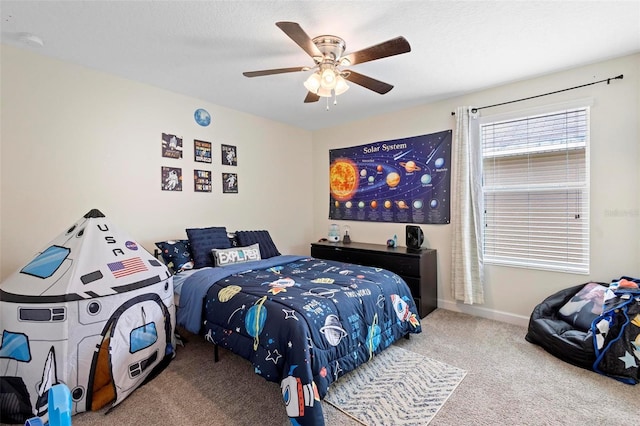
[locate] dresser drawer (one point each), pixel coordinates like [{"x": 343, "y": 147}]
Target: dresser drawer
[
  {"x": 417, "y": 268},
  {"x": 401, "y": 265},
  {"x": 405, "y": 266},
  {"x": 414, "y": 285}
]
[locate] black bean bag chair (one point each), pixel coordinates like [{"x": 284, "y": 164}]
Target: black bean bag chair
[{"x": 561, "y": 324}]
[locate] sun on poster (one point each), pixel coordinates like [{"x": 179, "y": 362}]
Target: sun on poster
[
  {"x": 171, "y": 146},
  {"x": 404, "y": 180},
  {"x": 171, "y": 178}
]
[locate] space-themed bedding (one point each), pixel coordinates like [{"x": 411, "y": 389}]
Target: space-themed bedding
[{"x": 302, "y": 322}]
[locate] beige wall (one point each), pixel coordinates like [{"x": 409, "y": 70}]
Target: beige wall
[
  {"x": 512, "y": 293},
  {"x": 74, "y": 139}
]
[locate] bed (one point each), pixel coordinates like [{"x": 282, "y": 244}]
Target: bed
[{"x": 302, "y": 322}]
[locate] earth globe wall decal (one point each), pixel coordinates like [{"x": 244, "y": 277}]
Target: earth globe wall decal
[{"x": 202, "y": 117}]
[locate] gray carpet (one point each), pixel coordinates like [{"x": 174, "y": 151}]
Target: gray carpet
[{"x": 509, "y": 382}]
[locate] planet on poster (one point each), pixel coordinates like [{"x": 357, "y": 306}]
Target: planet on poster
[{"x": 393, "y": 179}]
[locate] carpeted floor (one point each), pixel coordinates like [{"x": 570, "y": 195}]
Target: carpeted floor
[
  {"x": 512, "y": 382},
  {"x": 508, "y": 382}
]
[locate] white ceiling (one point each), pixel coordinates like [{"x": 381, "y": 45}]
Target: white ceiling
[{"x": 201, "y": 48}]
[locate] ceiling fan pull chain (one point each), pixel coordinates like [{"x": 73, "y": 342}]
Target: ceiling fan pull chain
[{"x": 327, "y": 103}]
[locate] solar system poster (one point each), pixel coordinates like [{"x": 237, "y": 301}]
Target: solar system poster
[{"x": 403, "y": 180}]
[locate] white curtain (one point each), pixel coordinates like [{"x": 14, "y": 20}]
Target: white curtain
[{"x": 467, "y": 274}]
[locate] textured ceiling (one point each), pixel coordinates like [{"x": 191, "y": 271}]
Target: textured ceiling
[{"x": 201, "y": 48}]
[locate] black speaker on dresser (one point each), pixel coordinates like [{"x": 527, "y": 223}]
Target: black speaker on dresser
[{"x": 414, "y": 237}]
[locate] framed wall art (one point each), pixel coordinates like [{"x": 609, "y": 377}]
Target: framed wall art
[
  {"x": 202, "y": 180},
  {"x": 230, "y": 183},
  {"x": 201, "y": 151},
  {"x": 171, "y": 178},
  {"x": 171, "y": 146},
  {"x": 229, "y": 155}
]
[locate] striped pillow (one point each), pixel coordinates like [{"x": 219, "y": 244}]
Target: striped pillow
[
  {"x": 267, "y": 246},
  {"x": 203, "y": 240}
]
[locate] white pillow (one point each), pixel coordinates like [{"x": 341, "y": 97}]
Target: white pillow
[
  {"x": 231, "y": 256},
  {"x": 585, "y": 306}
]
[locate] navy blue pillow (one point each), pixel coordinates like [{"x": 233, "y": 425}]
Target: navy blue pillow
[
  {"x": 267, "y": 246},
  {"x": 176, "y": 254},
  {"x": 203, "y": 240}
]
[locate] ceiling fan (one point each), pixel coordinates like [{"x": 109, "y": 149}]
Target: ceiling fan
[{"x": 327, "y": 52}]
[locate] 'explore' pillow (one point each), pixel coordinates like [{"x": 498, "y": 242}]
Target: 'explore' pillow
[{"x": 231, "y": 256}]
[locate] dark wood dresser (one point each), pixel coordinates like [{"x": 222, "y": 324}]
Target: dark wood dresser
[{"x": 417, "y": 267}]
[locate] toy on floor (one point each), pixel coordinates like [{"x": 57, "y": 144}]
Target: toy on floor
[{"x": 59, "y": 408}]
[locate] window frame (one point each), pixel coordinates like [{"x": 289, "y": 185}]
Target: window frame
[{"x": 582, "y": 268}]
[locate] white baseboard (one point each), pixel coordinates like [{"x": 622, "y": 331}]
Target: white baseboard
[{"x": 482, "y": 312}]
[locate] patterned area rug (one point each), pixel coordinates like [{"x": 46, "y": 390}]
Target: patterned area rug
[{"x": 397, "y": 387}]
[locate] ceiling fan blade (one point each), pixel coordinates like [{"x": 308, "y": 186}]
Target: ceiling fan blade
[
  {"x": 395, "y": 46},
  {"x": 297, "y": 34},
  {"x": 273, "y": 71},
  {"x": 311, "y": 97},
  {"x": 368, "y": 82}
]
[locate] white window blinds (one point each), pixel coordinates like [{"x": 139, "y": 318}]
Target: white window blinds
[{"x": 536, "y": 191}]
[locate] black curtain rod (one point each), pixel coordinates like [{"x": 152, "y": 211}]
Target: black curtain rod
[{"x": 608, "y": 80}]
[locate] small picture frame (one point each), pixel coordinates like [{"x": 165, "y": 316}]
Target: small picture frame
[
  {"x": 202, "y": 180},
  {"x": 229, "y": 154},
  {"x": 171, "y": 178},
  {"x": 171, "y": 146},
  {"x": 201, "y": 151},
  {"x": 229, "y": 183}
]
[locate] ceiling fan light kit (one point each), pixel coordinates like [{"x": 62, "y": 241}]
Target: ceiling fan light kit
[
  {"x": 328, "y": 79},
  {"x": 313, "y": 83},
  {"x": 341, "y": 86},
  {"x": 327, "y": 52},
  {"x": 326, "y": 84}
]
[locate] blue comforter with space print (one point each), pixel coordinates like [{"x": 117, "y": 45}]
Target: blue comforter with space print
[{"x": 303, "y": 322}]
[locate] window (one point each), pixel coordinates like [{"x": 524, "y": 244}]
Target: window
[
  {"x": 47, "y": 262},
  {"x": 142, "y": 337},
  {"x": 15, "y": 346},
  {"x": 536, "y": 191}
]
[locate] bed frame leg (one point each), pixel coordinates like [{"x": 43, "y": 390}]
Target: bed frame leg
[
  {"x": 407, "y": 336},
  {"x": 216, "y": 356}
]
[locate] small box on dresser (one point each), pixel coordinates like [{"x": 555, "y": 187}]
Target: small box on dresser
[{"x": 417, "y": 267}]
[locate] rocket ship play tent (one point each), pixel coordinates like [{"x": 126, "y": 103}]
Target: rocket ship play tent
[{"x": 93, "y": 310}]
